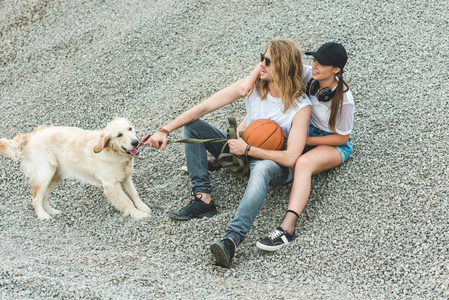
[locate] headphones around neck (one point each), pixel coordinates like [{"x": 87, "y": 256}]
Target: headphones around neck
[{"x": 323, "y": 95}]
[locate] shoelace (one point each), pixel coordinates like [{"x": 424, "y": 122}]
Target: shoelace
[
  {"x": 275, "y": 234},
  {"x": 195, "y": 196}
]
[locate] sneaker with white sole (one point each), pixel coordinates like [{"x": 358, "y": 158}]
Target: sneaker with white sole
[{"x": 276, "y": 240}]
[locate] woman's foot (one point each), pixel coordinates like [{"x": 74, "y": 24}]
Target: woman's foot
[{"x": 276, "y": 240}]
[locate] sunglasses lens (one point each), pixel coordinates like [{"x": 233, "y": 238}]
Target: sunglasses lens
[{"x": 267, "y": 60}]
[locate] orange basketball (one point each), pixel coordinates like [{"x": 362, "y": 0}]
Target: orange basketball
[{"x": 265, "y": 134}]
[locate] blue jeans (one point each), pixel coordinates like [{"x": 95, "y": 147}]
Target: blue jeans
[
  {"x": 263, "y": 173},
  {"x": 196, "y": 155}
]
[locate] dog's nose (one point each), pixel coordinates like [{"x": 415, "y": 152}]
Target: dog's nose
[{"x": 135, "y": 143}]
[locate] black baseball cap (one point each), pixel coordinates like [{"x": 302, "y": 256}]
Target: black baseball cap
[{"x": 331, "y": 54}]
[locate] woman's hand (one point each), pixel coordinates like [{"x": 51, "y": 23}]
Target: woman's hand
[
  {"x": 246, "y": 88},
  {"x": 158, "y": 140},
  {"x": 237, "y": 146},
  {"x": 308, "y": 141}
]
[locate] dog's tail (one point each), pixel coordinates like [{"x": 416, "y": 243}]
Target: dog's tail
[{"x": 13, "y": 148}]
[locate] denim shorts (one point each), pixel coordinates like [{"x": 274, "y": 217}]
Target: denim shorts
[{"x": 344, "y": 150}]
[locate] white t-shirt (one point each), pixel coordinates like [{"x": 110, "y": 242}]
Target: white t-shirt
[
  {"x": 273, "y": 109},
  {"x": 345, "y": 116},
  {"x": 307, "y": 70}
]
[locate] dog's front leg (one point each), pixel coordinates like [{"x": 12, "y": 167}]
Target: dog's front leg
[
  {"x": 130, "y": 189},
  {"x": 116, "y": 195},
  {"x": 38, "y": 196}
]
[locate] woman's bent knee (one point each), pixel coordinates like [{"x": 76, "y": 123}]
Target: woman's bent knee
[{"x": 304, "y": 163}]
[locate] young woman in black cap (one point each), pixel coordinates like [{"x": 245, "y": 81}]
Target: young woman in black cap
[{"x": 328, "y": 143}]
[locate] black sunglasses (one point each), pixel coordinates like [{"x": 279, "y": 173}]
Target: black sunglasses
[{"x": 267, "y": 60}]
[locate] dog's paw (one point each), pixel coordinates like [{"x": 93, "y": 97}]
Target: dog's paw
[
  {"x": 143, "y": 207},
  {"x": 137, "y": 214},
  {"x": 53, "y": 211},
  {"x": 44, "y": 216}
]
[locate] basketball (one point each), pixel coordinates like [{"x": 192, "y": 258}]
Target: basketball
[{"x": 265, "y": 134}]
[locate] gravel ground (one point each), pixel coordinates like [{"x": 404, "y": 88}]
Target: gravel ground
[{"x": 375, "y": 228}]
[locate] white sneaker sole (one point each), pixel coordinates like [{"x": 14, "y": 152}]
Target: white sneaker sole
[{"x": 269, "y": 248}]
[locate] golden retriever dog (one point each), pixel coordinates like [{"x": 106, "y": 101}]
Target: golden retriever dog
[{"x": 100, "y": 157}]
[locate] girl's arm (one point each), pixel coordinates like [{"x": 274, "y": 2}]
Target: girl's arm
[
  {"x": 343, "y": 123},
  {"x": 295, "y": 143},
  {"x": 330, "y": 140},
  {"x": 246, "y": 88}
]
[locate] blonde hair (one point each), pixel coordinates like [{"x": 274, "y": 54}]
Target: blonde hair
[{"x": 288, "y": 71}]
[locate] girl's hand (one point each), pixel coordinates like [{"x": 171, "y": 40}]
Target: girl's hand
[
  {"x": 307, "y": 141},
  {"x": 246, "y": 88},
  {"x": 158, "y": 140},
  {"x": 237, "y": 146}
]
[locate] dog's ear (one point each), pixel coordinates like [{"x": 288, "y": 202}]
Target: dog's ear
[{"x": 102, "y": 142}]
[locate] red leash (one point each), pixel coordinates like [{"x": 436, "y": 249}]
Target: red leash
[{"x": 144, "y": 140}]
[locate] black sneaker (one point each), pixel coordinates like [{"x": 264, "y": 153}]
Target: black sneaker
[
  {"x": 195, "y": 209},
  {"x": 223, "y": 251},
  {"x": 276, "y": 240}
]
